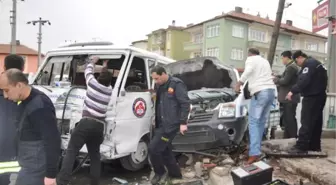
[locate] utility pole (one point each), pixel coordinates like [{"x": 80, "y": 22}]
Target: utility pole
[
  {"x": 13, "y": 23},
  {"x": 276, "y": 30},
  {"x": 332, "y": 47},
  {"x": 40, "y": 23}
]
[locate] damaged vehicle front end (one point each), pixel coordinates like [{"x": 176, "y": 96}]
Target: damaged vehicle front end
[{"x": 216, "y": 120}]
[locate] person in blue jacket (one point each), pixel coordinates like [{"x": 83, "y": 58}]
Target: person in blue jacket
[{"x": 9, "y": 111}]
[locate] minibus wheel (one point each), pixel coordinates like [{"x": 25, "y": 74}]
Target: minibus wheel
[{"x": 138, "y": 159}]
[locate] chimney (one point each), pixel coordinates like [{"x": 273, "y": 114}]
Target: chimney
[
  {"x": 238, "y": 9},
  {"x": 173, "y": 23},
  {"x": 289, "y": 22},
  {"x": 18, "y": 42}
]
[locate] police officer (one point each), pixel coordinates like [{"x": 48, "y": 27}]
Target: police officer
[
  {"x": 312, "y": 85},
  {"x": 172, "y": 109}
]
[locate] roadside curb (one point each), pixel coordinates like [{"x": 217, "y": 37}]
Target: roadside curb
[{"x": 326, "y": 134}]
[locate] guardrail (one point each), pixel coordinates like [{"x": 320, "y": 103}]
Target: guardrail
[{"x": 329, "y": 113}]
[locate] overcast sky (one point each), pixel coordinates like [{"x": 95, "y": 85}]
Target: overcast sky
[{"x": 124, "y": 21}]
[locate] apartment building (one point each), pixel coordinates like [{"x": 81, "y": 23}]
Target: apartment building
[
  {"x": 169, "y": 42},
  {"x": 142, "y": 44},
  {"x": 229, "y": 36}
]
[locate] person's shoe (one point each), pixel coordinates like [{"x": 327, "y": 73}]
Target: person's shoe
[
  {"x": 315, "y": 149},
  {"x": 253, "y": 159}
]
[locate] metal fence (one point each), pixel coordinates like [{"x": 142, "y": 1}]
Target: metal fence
[{"x": 329, "y": 114}]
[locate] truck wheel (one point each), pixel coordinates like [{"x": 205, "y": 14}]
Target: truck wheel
[{"x": 138, "y": 159}]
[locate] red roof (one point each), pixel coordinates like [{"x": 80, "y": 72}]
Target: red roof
[
  {"x": 20, "y": 50},
  {"x": 261, "y": 20}
]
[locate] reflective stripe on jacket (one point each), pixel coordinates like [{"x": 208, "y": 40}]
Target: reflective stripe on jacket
[{"x": 9, "y": 167}]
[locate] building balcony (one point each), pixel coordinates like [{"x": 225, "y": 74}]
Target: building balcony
[
  {"x": 192, "y": 46},
  {"x": 257, "y": 44},
  {"x": 160, "y": 45},
  {"x": 265, "y": 45}
]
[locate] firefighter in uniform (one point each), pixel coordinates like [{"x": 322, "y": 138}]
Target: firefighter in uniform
[
  {"x": 312, "y": 85},
  {"x": 172, "y": 110}
]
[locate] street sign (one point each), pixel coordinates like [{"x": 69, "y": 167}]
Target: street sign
[{"x": 319, "y": 19}]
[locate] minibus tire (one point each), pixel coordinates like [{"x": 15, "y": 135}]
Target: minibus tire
[{"x": 128, "y": 163}]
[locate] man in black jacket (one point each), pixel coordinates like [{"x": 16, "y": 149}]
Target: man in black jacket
[
  {"x": 39, "y": 142},
  {"x": 285, "y": 83},
  {"x": 172, "y": 110},
  {"x": 312, "y": 85},
  {"x": 9, "y": 112}
]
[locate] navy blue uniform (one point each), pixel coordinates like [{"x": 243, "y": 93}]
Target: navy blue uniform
[
  {"x": 172, "y": 109},
  {"x": 312, "y": 85},
  {"x": 39, "y": 142}
]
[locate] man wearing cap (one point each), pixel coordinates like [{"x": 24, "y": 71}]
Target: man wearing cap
[
  {"x": 285, "y": 83},
  {"x": 312, "y": 85}
]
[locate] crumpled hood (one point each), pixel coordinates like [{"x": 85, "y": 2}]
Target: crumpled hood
[
  {"x": 209, "y": 94},
  {"x": 203, "y": 72}
]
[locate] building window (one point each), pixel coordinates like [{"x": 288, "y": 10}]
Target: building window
[
  {"x": 157, "y": 39},
  {"x": 311, "y": 46},
  {"x": 293, "y": 43},
  {"x": 213, "y": 31},
  {"x": 197, "y": 38},
  {"x": 276, "y": 59},
  {"x": 263, "y": 54},
  {"x": 257, "y": 35},
  {"x": 168, "y": 36},
  {"x": 238, "y": 31},
  {"x": 213, "y": 52},
  {"x": 237, "y": 54},
  {"x": 168, "y": 53}
]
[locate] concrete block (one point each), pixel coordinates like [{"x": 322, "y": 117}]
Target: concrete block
[
  {"x": 220, "y": 176},
  {"x": 279, "y": 134},
  {"x": 279, "y": 144}
]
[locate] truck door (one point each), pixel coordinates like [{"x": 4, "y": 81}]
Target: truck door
[{"x": 134, "y": 106}]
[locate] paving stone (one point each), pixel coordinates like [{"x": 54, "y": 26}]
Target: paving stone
[{"x": 319, "y": 170}]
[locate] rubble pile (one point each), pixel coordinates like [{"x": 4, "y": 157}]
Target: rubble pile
[{"x": 210, "y": 170}]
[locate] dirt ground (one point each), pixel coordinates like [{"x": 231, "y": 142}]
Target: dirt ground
[{"x": 109, "y": 172}]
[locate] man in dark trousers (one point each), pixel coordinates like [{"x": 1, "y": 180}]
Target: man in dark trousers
[
  {"x": 285, "y": 83},
  {"x": 90, "y": 129},
  {"x": 172, "y": 110},
  {"x": 312, "y": 85},
  {"x": 9, "y": 111},
  {"x": 38, "y": 138}
]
